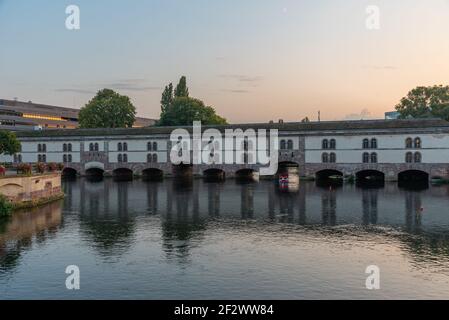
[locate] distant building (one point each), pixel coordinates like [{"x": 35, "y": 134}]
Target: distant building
[
  {"x": 19, "y": 116},
  {"x": 392, "y": 115}
]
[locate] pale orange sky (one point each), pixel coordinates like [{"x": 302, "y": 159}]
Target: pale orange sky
[{"x": 254, "y": 61}]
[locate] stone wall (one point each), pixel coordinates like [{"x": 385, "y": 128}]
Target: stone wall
[{"x": 30, "y": 188}]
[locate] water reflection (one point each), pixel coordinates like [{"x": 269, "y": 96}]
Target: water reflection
[{"x": 25, "y": 228}]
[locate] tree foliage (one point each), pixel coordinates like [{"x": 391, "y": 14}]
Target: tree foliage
[
  {"x": 108, "y": 109},
  {"x": 425, "y": 102},
  {"x": 178, "y": 109},
  {"x": 9, "y": 144}
]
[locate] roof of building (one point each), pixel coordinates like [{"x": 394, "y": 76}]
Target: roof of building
[{"x": 410, "y": 124}]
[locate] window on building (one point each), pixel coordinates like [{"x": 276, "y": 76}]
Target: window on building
[
  {"x": 64, "y": 147},
  {"x": 19, "y": 158},
  {"x": 64, "y": 158},
  {"x": 120, "y": 158},
  {"x": 39, "y": 148},
  {"x": 125, "y": 158},
  {"x": 408, "y": 157},
  {"x": 290, "y": 145},
  {"x": 125, "y": 146},
  {"x": 70, "y": 158},
  {"x": 154, "y": 146},
  {"x": 325, "y": 144},
  {"x": 97, "y": 147},
  {"x": 332, "y": 144},
  {"x": 119, "y": 146},
  {"x": 149, "y": 146},
  {"x": 365, "y": 144},
  {"x": 155, "y": 158},
  {"x": 418, "y": 157},
  {"x": 44, "y": 147},
  {"x": 417, "y": 143},
  {"x": 409, "y": 143},
  {"x": 332, "y": 158},
  {"x": 325, "y": 158},
  {"x": 39, "y": 158},
  {"x": 149, "y": 158},
  {"x": 283, "y": 145},
  {"x": 44, "y": 158},
  {"x": 373, "y": 143},
  {"x": 366, "y": 157},
  {"x": 91, "y": 147},
  {"x": 373, "y": 157},
  {"x": 69, "y": 147}
]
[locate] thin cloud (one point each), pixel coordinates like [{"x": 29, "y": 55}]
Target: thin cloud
[
  {"x": 73, "y": 90},
  {"x": 235, "y": 90},
  {"x": 241, "y": 78}
]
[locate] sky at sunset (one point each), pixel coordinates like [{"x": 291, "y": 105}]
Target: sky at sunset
[{"x": 253, "y": 60}]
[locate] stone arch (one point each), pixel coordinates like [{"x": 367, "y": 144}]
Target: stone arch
[
  {"x": 413, "y": 176},
  {"x": 328, "y": 174},
  {"x": 214, "y": 173},
  {"x": 11, "y": 190},
  {"x": 69, "y": 172},
  {"x": 123, "y": 173},
  {"x": 152, "y": 174},
  {"x": 370, "y": 175}
]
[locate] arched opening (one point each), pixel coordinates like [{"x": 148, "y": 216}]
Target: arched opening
[
  {"x": 245, "y": 175},
  {"x": 152, "y": 174},
  {"x": 69, "y": 173},
  {"x": 412, "y": 178},
  {"x": 122, "y": 174},
  {"x": 329, "y": 174},
  {"x": 370, "y": 178},
  {"x": 183, "y": 171},
  {"x": 94, "y": 173},
  {"x": 288, "y": 167},
  {"x": 214, "y": 174}
]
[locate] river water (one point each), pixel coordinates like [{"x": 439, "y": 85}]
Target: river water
[{"x": 229, "y": 240}]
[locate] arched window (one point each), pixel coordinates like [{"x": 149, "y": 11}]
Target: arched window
[
  {"x": 154, "y": 158},
  {"x": 125, "y": 158},
  {"x": 333, "y": 158},
  {"x": 332, "y": 144},
  {"x": 373, "y": 143},
  {"x": 409, "y": 143},
  {"x": 19, "y": 158},
  {"x": 69, "y": 147},
  {"x": 282, "y": 144},
  {"x": 125, "y": 146},
  {"x": 70, "y": 158},
  {"x": 418, "y": 143},
  {"x": 39, "y": 148},
  {"x": 64, "y": 147},
  {"x": 149, "y": 158},
  {"x": 325, "y": 158},
  {"x": 149, "y": 146},
  {"x": 119, "y": 158},
  {"x": 91, "y": 147},
  {"x": 44, "y": 158},
  {"x": 64, "y": 158},
  {"x": 365, "y": 144},
  {"x": 418, "y": 157},
  {"x": 15, "y": 158},
  {"x": 154, "y": 146},
  {"x": 325, "y": 144},
  {"x": 119, "y": 146},
  {"x": 44, "y": 147},
  {"x": 373, "y": 157},
  {"x": 366, "y": 157},
  {"x": 97, "y": 147},
  {"x": 290, "y": 145},
  {"x": 408, "y": 157}
]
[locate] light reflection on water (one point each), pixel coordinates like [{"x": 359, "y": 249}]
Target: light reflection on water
[{"x": 232, "y": 240}]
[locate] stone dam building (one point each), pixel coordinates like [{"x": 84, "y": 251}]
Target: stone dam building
[{"x": 387, "y": 149}]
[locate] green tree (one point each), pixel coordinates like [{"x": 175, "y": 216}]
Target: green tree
[
  {"x": 181, "y": 89},
  {"x": 425, "y": 102},
  {"x": 9, "y": 144},
  {"x": 5, "y": 207},
  {"x": 167, "y": 97},
  {"x": 108, "y": 109},
  {"x": 185, "y": 110}
]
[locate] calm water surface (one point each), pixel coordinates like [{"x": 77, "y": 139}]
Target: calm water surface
[{"x": 231, "y": 240}]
